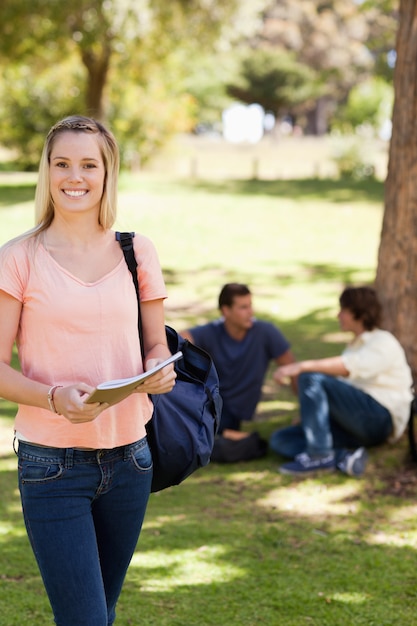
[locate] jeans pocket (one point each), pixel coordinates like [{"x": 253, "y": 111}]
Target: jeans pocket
[
  {"x": 39, "y": 471},
  {"x": 141, "y": 457}
]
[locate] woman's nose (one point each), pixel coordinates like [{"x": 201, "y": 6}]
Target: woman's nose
[{"x": 75, "y": 174}]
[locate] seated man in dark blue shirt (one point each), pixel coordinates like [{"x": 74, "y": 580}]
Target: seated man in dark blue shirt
[{"x": 242, "y": 348}]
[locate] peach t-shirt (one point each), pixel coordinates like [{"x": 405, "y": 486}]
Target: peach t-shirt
[{"x": 71, "y": 331}]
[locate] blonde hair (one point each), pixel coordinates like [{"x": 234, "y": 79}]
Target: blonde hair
[{"x": 44, "y": 206}]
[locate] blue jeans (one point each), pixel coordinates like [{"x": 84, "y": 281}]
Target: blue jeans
[
  {"x": 83, "y": 512},
  {"x": 334, "y": 415}
]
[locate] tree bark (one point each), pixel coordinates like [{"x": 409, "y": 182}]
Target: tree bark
[
  {"x": 317, "y": 118},
  {"x": 396, "y": 280},
  {"x": 97, "y": 68}
]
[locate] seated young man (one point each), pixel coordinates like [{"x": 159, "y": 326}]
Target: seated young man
[
  {"x": 242, "y": 348},
  {"x": 348, "y": 402}
]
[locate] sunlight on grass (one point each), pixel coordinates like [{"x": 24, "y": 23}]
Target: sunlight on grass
[
  {"x": 11, "y": 531},
  {"x": 395, "y": 538},
  {"x": 404, "y": 513},
  {"x": 184, "y": 568},
  {"x": 339, "y": 337},
  {"x": 350, "y": 598},
  {"x": 8, "y": 464},
  {"x": 162, "y": 520},
  {"x": 277, "y": 405},
  {"x": 313, "y": 499},
  {"x": 19, "y": 218},
  {"x": 397, "y": 529}
]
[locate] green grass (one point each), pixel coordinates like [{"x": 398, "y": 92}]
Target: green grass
[{"x": 242, "y": 545}]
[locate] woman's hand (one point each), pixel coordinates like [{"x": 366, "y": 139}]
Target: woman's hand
[
  {"x": 70, "y": 402},
  {"x": 160, "y": 382}
]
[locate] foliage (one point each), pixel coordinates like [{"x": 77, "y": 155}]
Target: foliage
[
  {"x": 144, "y": 118},
  {"x": 119, "y": 53},
  {"x": 352, "y": 163},
  {"x": 206, "y": 82},
  {"x": 115, "y": 48},
  {"x": 29, "y": 108},
  {"x": 369, "y": 104},
  {"x": 275, "y": 80},
  {"x": 330, "y": 38},
  {"x": 382, "y": 16}
]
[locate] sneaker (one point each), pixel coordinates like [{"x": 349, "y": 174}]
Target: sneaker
[
  {"x": 354, "y": 463},
  {"x": 304, "y": 463}
]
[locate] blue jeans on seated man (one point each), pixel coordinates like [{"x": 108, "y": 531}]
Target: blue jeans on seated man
[{"x": 334, "y": 416}]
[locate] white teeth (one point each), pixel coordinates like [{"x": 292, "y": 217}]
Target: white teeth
[{"x": 74, "y": 193}]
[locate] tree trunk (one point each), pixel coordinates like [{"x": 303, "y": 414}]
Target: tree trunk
[
  {"x": 317, "y": 118},
  {"x": 396, "y": 280},
  {"x": 97, "y": 68}
]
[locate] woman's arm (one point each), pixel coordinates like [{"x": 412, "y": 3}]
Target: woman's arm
[
  {"x": 13, "y": 385},
  {"x": 155, "y": 347},
  {"x": 69, "y": 401}
]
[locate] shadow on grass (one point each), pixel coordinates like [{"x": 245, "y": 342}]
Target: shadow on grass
[
  {"x": 259, "y": 548},
  {"x": 242, "y": 545},
  {"x": 309, "y": 273},
  {"x": 337, "y": 191},
  {"x": 315, "y": 272},
  {"x": 13, "y": 194},
  {"x": 334, "y": 190}
]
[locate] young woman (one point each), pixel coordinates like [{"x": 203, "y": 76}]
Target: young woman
[
  {"x": 68, "y": 300},
  {"x": 360, "y": 398}
]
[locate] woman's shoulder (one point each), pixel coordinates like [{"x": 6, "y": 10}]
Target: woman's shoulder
[
  {"x": 19, "y": 247},
  {"x": 17, "y": 258},
  {"x": 144, "y": 248},
  {"x": 142, "y": 241}
]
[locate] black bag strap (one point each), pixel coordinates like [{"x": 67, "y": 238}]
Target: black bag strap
[
  {"x": 412, "y": 431},
  {"x": 126, "y": 243}
]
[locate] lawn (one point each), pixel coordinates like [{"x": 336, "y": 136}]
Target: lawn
[{"x": 242, "y": 545}]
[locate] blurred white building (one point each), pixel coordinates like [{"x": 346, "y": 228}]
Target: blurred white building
[{"x": 244, "y": 123}]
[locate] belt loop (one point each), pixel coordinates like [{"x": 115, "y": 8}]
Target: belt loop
[
  {"x": 69, "y": 457},
  {"x": 15, "y": 445},
  {"x": 127, "y": 451}
]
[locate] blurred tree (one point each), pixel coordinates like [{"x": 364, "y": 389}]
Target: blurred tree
[
  {"x": 382, "y": 19},
  {"x": 275, "y": 80},
  {"x": 368, "y": 106},
  {"x": 117, "y": 41},
  {"x": 102, "y": 29},
  {"x": 330, "y": 37},
  {"x": 397, "y": 258},
  {"x": 180, "y": 50},
  {"x": 206, "y": 83}
]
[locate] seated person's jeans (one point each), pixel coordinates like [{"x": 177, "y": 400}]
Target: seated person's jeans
[{"x": 334, "y": 415}]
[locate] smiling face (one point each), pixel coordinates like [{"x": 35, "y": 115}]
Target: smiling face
[{"x": 77, "y": 173}]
